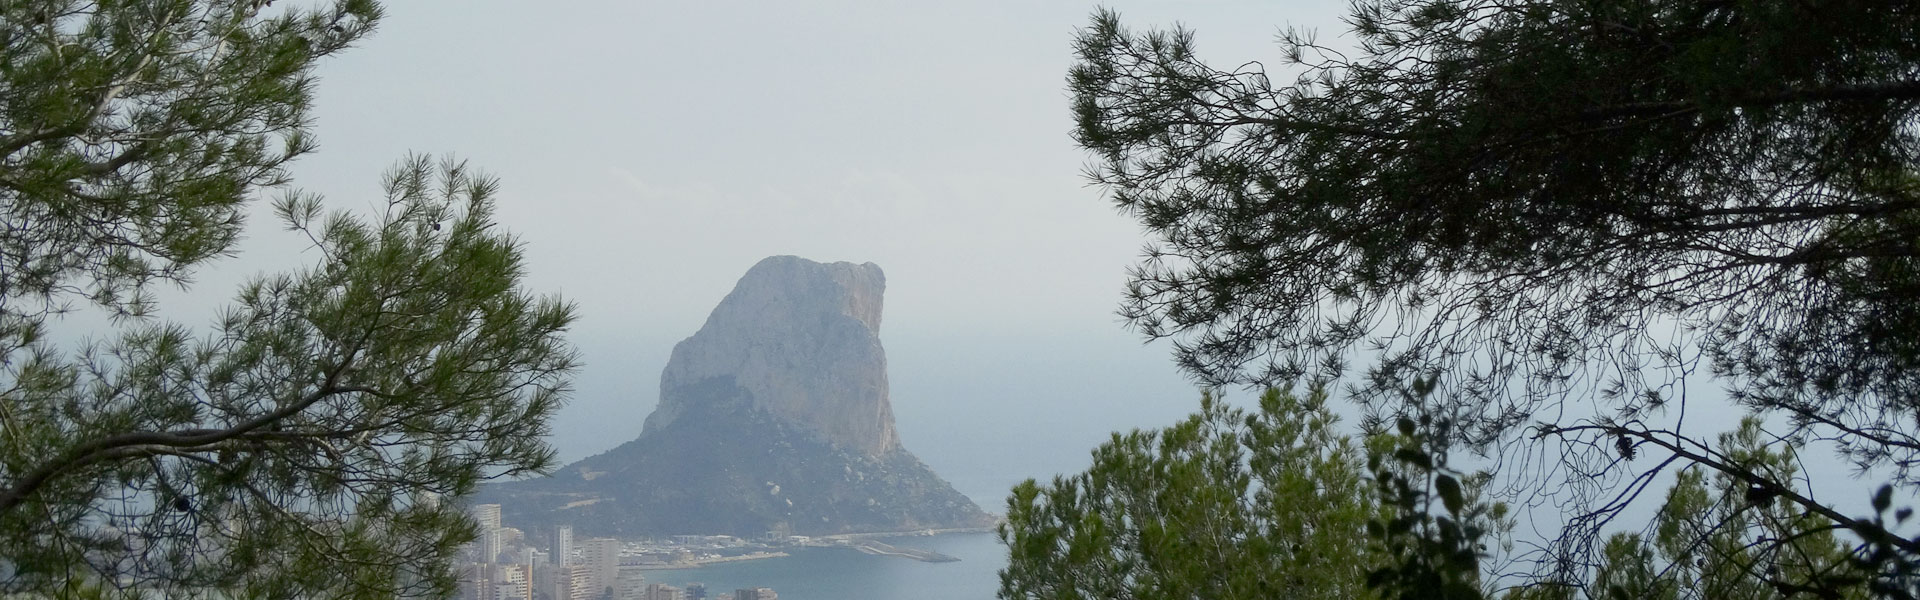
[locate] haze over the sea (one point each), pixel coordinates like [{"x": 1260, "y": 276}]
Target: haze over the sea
[
  {"x": 649, "y": 153},
  {"x": 846, "y": 574}
]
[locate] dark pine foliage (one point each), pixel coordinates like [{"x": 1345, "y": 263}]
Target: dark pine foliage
[{"x": 1561, "y": 209}]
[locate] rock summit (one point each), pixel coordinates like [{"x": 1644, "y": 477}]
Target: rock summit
[{"x": 773, "y": 417}]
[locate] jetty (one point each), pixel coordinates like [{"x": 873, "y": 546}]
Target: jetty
[{"x": 884, "y": 549}]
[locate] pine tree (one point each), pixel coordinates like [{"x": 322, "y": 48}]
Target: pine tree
[
  {"x": 314, "y": 441},
  {"x": 1561, "y": 211},
  {"x": 1226, "y": 504}
]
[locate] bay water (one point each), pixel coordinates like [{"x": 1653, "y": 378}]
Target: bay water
[{"x": 836, "y": 573}]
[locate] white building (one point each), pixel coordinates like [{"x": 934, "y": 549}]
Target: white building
[
  {"x": 630, "y": 584},
  {"x": 487, "y": 514},
  {"x": 569, "y": 582},
  {"x": 601, "y": 557},
  {"x": 489, "y": 543},
  {"x": 562, "y": 545},
  {"x": 665, "y": 592}
]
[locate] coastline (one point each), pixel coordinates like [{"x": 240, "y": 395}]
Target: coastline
[
  {"x": 913, "y": 533},
  {"x": 867, "y": 543},
  {"x": 878, "y": 548},
  {"x": 702, "y": 562},
  {"x": 848, "y": 574}
]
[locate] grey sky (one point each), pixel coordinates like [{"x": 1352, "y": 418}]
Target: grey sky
[{"x": 651, "y": 152}]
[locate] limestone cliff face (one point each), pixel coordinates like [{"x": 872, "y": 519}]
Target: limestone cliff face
[
  {"x": 774, "y": 416},
  {"x": 803, "y": 340}
]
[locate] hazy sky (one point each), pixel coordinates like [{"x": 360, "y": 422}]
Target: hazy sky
[{"x": 651, "y": 152}]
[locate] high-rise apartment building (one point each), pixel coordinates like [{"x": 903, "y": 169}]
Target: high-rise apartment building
[
  {"x": 758, "y": 593},
  {"x": 487, "y": 514},
  {"x": 474, "y": 582},
  {"x": 509, "y": 591},
  {"x": 630, "y": 584},
  {"x": 601, "y": 556},
  {"x": 569, "y": 582},
  {"x": 562, "y": 545},
  {"x": 512, "y": 581},
  {"x": 490, "y": 546},
  {"x": 664, "y": 592},
  {"x": 510, "y": 537}
]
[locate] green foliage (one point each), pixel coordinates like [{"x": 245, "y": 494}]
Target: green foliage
[
  {"x": 1562, "y": 209},
  {"x": 1530, "y": 184},
  {"x": 1629, "y": 571},
  {"x": 1430, "y": 555},
  {"x": 1273, "y": 504},
  {"x": 1721, "y": 537},
  {"x": 302, "y": 445},
  {"x": 1226, "y": 504},
  {"x": 1892, "y": 568},
  {"x": 309, "y": 443},
  {"x": 1734, "y": 540},
  {"x": 133, "y": 133},
  {"x": 1428, "y": 552}
]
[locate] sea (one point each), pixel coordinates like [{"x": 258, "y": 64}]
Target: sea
[{"x": 833, "y": 573}]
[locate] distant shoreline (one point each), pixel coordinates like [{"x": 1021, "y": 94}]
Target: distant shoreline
[
  {"x": 884, "y": 550},
  {"x": 911, "y": 533},
  {"x": 702, "y": 562},
  {"x": 878, "y": 548}
]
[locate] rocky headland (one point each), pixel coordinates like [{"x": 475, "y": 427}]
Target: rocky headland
[{"x": 774, "y": 417}]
